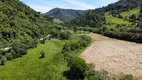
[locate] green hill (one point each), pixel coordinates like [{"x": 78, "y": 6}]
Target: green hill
[
  {"x": 20, "y": 27},
  {"x": 114, "y": 20},
  {"x": 121, "y": 20},
  {"x": 65, "y": 14},
  {"x": 127, "y": 14},
  {"x": 18, "y": 20}
]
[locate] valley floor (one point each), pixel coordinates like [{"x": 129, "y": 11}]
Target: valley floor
[
  {"x": 114, "y": 56},
  {"x": 31, "y": 67}
]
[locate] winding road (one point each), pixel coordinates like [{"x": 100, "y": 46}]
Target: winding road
[{"x": 114, "y": 56}]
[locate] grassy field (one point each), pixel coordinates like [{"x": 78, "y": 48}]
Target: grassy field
[
  {"x": 135, "y": 11},
  {"x": 57, "y": 21},
  {"x": 114, "y": 20},
  {"x": 30, "y": 67}
]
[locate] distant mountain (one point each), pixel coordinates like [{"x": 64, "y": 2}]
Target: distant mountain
[{"x": 65, "y": 14}]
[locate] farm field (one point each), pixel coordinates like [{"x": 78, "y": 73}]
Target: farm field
[{"x": 114, "y": 56}]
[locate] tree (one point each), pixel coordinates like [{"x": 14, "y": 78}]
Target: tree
[
  {"x": 141, "y": 8},
  {"x": 2, "y": 62},
  {"x": 133, "y": 18},
  {"x": 42, "y": 54},
  {"x": 120, "y": 16},
  {"x": 12, "y": 51},
  {"x": 0, "y": 35},
  {"x": 64, "y": 35},
  {"x": 77, "y": 69},
  {"x": 75, "y": 28},
  {"x": 43, "y": 41}
]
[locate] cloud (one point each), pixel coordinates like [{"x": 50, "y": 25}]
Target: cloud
[
  {"x": 41, "y": 8},
  {"x": 46, "y": 5},
  {"x": 106, "y": 2},
  {"x": 85, "y": 6}
]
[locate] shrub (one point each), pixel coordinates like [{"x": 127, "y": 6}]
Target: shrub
[
  {"x": 120, "y": 16},
  {"x": 77, "y": 65},
  {"x": 13, "y": 53},
  {"x": 133, "y": 18},
  {"x": 83, "y": 42},
  {"x": 0, "y": 56},
  {"x": 77, "y": 69},
  {"x": 129, "y": 77},
  {"x": 54, "y": 32},
  {"x": 9, "y": 56},
  {"x": 67, "y": 47},
  {"x": 42, "y": 54},
  {"x": 2, "y": 62},
  {"x": 43, "y": 41},
  {"x": 91, "y": 74},
  {"x": 64, "y": 35},
  {"x": 19, "y": 49},
  {"x": 141, "y": 8}
]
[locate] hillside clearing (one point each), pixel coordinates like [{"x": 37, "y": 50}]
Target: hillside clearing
[
  {"x": 114, "y": 20},
  {"x": 114, "y": 56},
  {"x": 127, "y": 14}
]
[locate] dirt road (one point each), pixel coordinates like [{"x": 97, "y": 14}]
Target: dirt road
[{"x": 114, "y": 56}]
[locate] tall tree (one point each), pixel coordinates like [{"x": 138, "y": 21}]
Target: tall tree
[{"x": 141, "y": 8}]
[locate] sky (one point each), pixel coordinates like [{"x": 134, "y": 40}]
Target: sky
[{"x": 46, "y": 5}]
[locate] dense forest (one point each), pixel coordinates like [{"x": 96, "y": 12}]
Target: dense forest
[
  {"x": 93, "y": 18},
  {"x": 19, "y": 28}
]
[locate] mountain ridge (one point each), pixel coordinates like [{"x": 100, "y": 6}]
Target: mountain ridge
[{"x": 65, "y": 15}]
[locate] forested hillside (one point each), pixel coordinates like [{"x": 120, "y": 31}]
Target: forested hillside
[
  {"x": 20, "y": 27},
  {"x": 65, "y": 14},
  {"x": 92, "y": 18},
  {"x": 120, "y": 20}
]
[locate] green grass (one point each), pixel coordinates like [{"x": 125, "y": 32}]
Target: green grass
[
  {"x": 57, "y": 21},
  {"x": 30, "y": 67},
  {"x": 135, "y": 11},
  {"x": 114, "y": 20}
]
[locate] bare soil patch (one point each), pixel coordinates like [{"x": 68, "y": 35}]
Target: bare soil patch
[{"x": 114, "y": 56}]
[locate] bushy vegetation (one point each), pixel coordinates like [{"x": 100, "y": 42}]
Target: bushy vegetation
[
  {"x": 20, "y": 28},
  {"x": 92, "y": 18},
  {"x": 55, "y": 66},
  {"x": 31, "y": 67},
  {"x": 125, "y": 36},
  {"x": 42, "y": 54},
  {"x": 63, "y": 35},
  {"x": 122, "y": 5},
  {"x": 71, "y": 46},
  {"x": 122, "y": 20},
  {"x": 125, "y": 31},
  {"x": 78, "y": 69}
]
